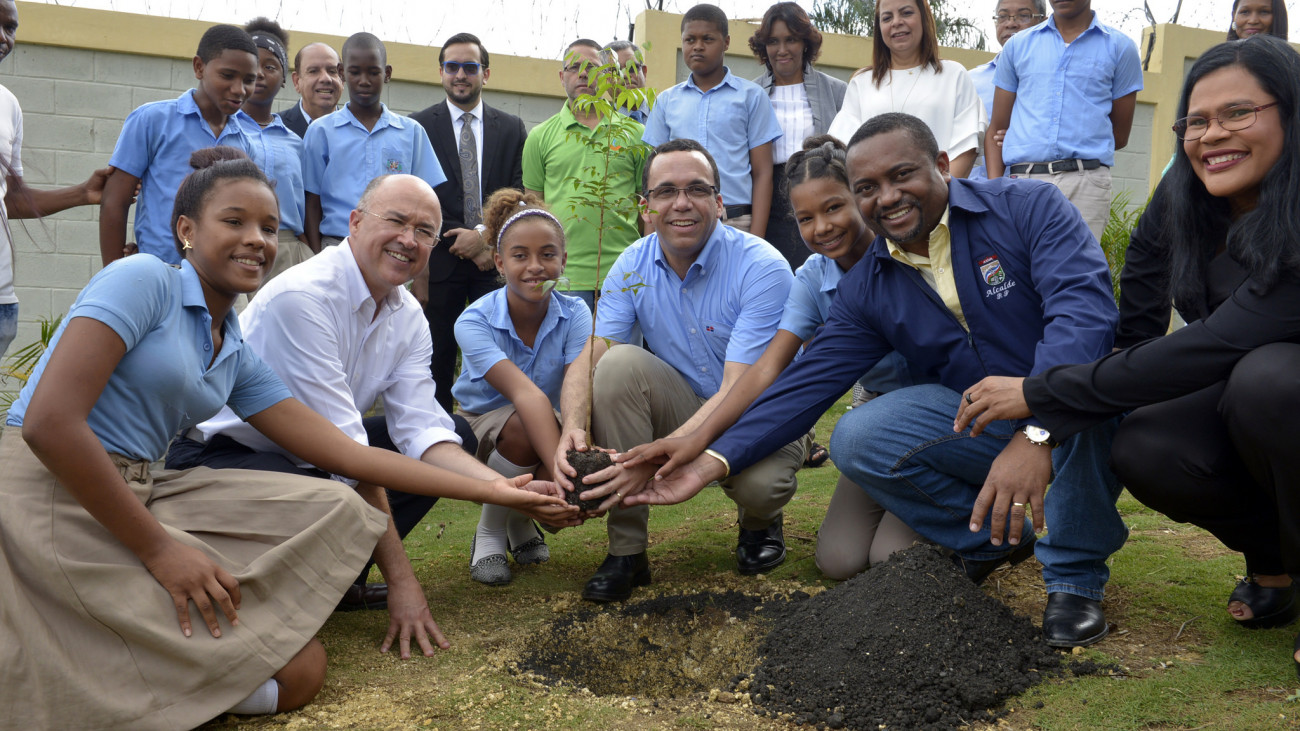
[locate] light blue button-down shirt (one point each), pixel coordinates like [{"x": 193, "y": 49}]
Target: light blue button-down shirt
[
  {"x": 487, "y": 336},
  {"x": 155, "y": 146},
  {"x": 164, "y": 383},
  {"x": 982, "y": 77},
  {"x": 1064, "y": 93},
  {"x": 340, "y": 157},
  {"x": 726, "y": 309},
  {"x": 729, "y": 120},
  {"x": 279, "y": 153}
]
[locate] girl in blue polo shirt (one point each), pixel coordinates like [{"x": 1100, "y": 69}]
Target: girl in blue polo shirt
[
  {"x": 516, "y": 345},
  {"x": 142, "y": 600},
  {"x": 856, "y": 531}
]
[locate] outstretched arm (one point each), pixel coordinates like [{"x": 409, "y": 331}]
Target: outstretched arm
[
  {"x": 691, "y": 443},
  {"x": 24, "y": 202}
]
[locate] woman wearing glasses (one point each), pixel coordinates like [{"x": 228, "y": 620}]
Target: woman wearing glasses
[
  {"x": 907, "y": 75},
  {"x": 1210, "y": 439}
]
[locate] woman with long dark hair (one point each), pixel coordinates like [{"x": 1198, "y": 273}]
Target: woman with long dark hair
[
  {"x": 1210, "y": 439},
  {"x": 907, "y": 75},
  {"x": 1252, "y": 17},
  {"x": 805, "y": 101}
]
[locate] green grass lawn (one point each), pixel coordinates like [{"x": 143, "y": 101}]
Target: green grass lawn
[{"x": 1183, "y": 664}]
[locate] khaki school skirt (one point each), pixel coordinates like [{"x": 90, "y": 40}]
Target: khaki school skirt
[{"x": 90, "y": 640}]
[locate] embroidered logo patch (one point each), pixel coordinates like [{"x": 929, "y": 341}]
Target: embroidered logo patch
[
  {"x": 992, "y": 272},
  {"x": 393, "y": 166}
]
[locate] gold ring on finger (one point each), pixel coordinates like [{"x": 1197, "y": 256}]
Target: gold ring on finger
[{"x": 1018, "y": 505}]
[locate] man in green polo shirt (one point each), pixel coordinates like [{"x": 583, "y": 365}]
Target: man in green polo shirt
[{"x": 555, "y": 154}]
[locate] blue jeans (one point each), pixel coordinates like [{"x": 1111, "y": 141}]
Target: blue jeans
[
  {"x": 902, "y": 450},
  {"x": 8, "y": 326}
]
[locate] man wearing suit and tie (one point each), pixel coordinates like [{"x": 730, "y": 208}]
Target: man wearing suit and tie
[
  {"x": 316, "y": 77},
  {"x": 481, "y": 149}
]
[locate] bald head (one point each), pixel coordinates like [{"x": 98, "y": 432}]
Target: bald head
[{"x": 392, "y": 230}]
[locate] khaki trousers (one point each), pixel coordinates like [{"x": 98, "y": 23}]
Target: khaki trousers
[
  {"x": 639, "y": 398},
  {"x": 1088, "y": 190}
]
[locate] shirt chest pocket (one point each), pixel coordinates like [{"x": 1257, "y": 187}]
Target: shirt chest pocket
[
  {"x": 392, "y": 160},
  {"x": 1090, "y": 77},
  {"x": 717, "y": 335}
]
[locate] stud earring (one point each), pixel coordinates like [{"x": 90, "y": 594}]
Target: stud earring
[{"x": 186, "y": 245}]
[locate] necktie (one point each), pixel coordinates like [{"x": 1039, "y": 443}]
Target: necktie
[{"x": 469, "y": 172}]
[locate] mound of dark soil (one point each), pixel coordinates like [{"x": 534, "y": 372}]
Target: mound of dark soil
[
  {"x": 665, "y": 647},
  {"x": 586, "y": 463},
  {"x": 910, "y": 644}
]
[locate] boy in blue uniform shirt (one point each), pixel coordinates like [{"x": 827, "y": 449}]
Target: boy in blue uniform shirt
[
  {"x": 1066, "y": 95},
  {"x": 153, "y": 151},
  {"x": 345, "y": 150},
  {"x": 731, "y": 117}
]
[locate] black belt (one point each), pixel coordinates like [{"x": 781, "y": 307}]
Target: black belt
[
  {"x": 1055, "y": 166},
  {"x": 735, "y": 211}
]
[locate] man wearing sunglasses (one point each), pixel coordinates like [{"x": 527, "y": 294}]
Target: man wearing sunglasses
[{"x": 481, "y": 149}]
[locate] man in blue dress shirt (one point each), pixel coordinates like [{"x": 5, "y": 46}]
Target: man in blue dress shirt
[
  {"x": 1066, "y": 93},
  {"x": 968, "y": 278},
  {"x": 1010, "y": 17},
  {"x": 707, "y": 298}
]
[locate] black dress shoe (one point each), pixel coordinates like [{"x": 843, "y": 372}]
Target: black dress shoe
[
  {"x": 1071, "y": 620},
  {"x": 760, "y": 551},
  {"x": 977, "y": 570},
  {"x": 363, "y": 596},
  {"x": 614, "y": 580}
]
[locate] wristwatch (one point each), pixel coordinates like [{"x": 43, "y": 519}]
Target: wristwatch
[{"x": 1038, "y": 436}]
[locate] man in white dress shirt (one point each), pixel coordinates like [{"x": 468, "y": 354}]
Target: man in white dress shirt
[{"x": 342, "y": 331}]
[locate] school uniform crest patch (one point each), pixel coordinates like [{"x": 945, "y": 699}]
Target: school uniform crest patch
[{"x": 992, "y": 272}]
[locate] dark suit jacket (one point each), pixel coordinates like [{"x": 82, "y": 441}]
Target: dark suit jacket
[
  {"x": 295, "y": 120},
  {"x": 502, "y": 166}
]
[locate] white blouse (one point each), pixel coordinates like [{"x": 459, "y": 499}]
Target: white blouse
[
  {"x": 947, "y": 102},
  {"x": 794, "y": 114}
]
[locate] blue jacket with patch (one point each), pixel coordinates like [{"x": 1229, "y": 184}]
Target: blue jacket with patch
[{"x": 1034, "y": 288}]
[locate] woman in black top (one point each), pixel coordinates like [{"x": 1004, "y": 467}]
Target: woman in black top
[{"x": 1211, "y": 437}]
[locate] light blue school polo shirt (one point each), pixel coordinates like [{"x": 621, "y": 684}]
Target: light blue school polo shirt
[
  {"x": 340, "y": 157},
  {"x": 164, "y": 383},
  {"x": 1064, "y": 93},
  {"x": 726, "y": 309},
  {"x": 280, "y": 155},
  {"x": 729, "y": 120},
  {"x": 155, "y": 146},
  {"x": 809, "y": 306},
  {"x": 487, "y": 336}
]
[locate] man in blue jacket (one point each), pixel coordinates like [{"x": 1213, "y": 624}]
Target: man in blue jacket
[{"x": 968, "y": 279}]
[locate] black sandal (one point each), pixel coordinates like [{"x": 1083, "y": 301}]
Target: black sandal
[
  {"x": 817, "y": 456},
  {"x": 1270, "y": 607}
]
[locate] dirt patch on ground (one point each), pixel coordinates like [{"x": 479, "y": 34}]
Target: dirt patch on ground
[
  {"x": 910, "y": 644},
  {"x": 665, "y": 647}
]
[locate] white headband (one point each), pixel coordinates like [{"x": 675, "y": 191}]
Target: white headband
[{"x": 526, "y": 212}]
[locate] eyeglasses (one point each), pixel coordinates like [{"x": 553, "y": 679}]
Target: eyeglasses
[
  {"x": 668, "y": 193},
  {"x": 1231, "y": 119},
  {"x": 1021, "y": 18},
  {"x": 452, "y": 68},
  {"x": 423, "y": 236},
  {"x": 578, "y": 67}
]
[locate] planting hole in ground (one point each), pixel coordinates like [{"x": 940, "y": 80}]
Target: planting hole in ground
[{"x": 664, "y": 647}]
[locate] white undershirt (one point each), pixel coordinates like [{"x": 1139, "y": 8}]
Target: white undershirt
[{"x": 794, "y": 114}]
